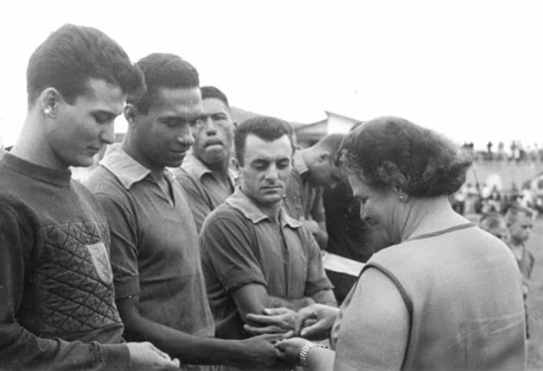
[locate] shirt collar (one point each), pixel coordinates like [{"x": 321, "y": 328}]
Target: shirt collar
[
  {"x": 127, "y": 170},
  {"x": 240, "y": 201},
  {"x": 196, "y": 167}
]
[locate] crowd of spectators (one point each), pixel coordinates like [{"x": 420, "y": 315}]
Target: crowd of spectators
[
  {"x": 516, "y": 151},
  {"x": 484, "y": 198}
]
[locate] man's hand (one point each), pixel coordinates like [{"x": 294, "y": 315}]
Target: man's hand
[
  {"x": 317, "y": 320},
  {"x": 312, "y": 322},
  {"x": 146, "y": 357},
  {"x": 274, "y": 321},
  {"x": 260, "y": 350}
]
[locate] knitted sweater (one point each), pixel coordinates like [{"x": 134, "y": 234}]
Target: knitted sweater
[{"x": 57, "y": 302}]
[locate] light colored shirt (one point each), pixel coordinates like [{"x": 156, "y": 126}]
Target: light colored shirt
[{"x": 462, "y": 290}]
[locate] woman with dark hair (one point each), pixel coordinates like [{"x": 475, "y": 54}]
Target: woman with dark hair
[{"x": 445, "y": 295}]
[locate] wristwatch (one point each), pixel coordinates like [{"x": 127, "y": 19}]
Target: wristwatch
[{"x": 305, "y": 352}]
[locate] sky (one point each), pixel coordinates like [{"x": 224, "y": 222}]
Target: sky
[{"x": 472, "y": 70}]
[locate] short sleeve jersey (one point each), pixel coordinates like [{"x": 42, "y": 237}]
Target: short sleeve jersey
[
  {"x": 241, "y": 245},
  {"x": 154, "y": 244}
]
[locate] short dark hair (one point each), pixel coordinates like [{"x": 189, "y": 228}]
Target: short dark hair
[
  {"x": 71, "y": 56},
  {"x": 163, "y": 70},
  {"x": 265, "y": 127},
  {"x": 391, "y": 151},
  {"x": 213, "y": 92}
]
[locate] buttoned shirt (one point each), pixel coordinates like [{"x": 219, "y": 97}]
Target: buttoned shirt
[
  {"x": 154, "y": 244},
  {"x": 203, "y": 189},
  {"x": 241, "y": 245}
]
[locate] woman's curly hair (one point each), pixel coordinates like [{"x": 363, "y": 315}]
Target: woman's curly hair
[{"x": 391, "y": 151}]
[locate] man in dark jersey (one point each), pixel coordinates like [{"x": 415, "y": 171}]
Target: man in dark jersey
[
  {"x": 206, "y": 174},
  {"x": 155, "y": 256},
  {"x": 255, "y": 255},
  {"x": 57, "y": 305}
]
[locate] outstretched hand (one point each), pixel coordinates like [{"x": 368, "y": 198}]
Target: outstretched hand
[
  {"x": 313, "y": 322},
  {"x": 146, "y": 357},
  {"x": 318, "y": 320},
  {"x": 274, "y": 321},
  {"x": 260, "y": 350}
]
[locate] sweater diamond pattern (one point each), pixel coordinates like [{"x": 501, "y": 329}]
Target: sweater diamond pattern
[{"x": 72, "y": 295}]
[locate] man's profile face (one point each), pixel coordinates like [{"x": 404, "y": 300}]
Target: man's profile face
[
  {"x": 521, "y": 230},
  {"x": 79, "y": 131},
  {"x": 266, "y": 169},
  {"x": 324, "y": 172},
  {"x": 214, "y": 136},
  {"x": 165, "y": 133}
]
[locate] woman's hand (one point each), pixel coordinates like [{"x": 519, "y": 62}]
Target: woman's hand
[
  {"x": 290, "y": 350},
  {"x": 259, "y": 351}
]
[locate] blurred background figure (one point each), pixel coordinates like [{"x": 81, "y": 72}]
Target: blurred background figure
[
  {"x": 520, "y": 222},
  {"x": 494, "y": 223}
]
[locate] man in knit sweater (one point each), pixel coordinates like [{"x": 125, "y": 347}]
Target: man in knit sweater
[{"x": 57, "y": 305}]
